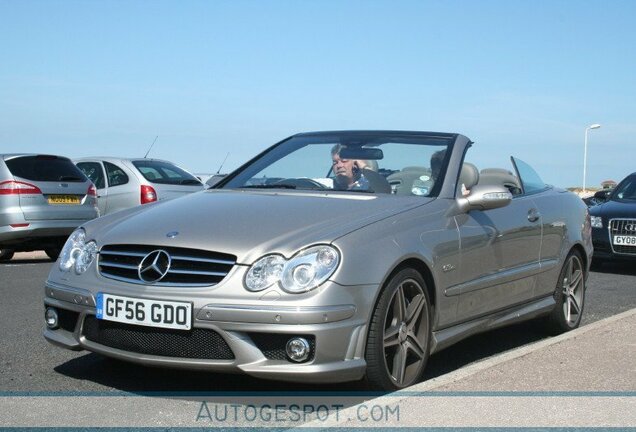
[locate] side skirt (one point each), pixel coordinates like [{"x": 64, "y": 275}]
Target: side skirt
[{"x": 451, "y": 335}]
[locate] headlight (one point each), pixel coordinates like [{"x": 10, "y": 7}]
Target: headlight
[
  {"x": 86, "y": 257},
  {"x": 76, "y": 252},
  {"x": 303, "y": 272},
  {"x": 596, "y": 221},
  {"x": 265, "y": 272}
]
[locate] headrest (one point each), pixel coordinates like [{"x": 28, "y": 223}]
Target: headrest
[
  {"x": 469, "y": 175},
  {"x": 495, "y": 171},
  {"x": 498, "y": 178}
]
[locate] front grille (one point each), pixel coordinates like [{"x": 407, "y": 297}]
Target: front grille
[
  {"x": 273, "y": 345},
  {"x": 193, "y": 344},
  {"x": 623, "y": 227},
  {"x": 189, "y": 267}
]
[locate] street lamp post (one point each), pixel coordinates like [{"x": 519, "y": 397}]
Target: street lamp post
[{"x": 594, "y": 126}]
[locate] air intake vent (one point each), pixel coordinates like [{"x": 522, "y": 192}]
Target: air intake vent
[{"x": 184, "y": 267}]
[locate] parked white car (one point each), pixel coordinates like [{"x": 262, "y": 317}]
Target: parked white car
[{"x": 124, "y": 183}]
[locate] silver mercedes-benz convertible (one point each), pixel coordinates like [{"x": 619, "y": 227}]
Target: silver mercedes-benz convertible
[{"x": 329, "y": 257}]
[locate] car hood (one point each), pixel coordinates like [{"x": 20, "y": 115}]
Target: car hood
[
  {"x": 249, "y": 223},
  {"x": 615, "y": 209}
]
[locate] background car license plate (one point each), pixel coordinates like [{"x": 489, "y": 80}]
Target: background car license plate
[
  {"x": 152, "y": 313},
  {"x": 63, "y": 199},
  {"x": 625, "y": 240}
]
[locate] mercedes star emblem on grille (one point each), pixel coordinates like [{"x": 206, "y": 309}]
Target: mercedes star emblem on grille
[
  {"x": 172, "y": 234},
  {"x": 154, "y": 266}
]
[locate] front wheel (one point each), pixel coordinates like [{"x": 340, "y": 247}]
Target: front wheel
[
  {"x": 6, "y": 254},
  {"x": 569, "y": 296},
  {"x": 399, "y": 335}
]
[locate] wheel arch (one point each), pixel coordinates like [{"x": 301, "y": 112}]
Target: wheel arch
[{"x": 419, "y": 265}]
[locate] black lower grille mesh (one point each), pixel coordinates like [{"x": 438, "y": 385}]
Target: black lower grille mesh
[
  {"x": 625, "y": 249},
  {"x": 194, "y": 344},
  {"x": 67, "y": 319},
  {"x": 273, "y": 346}
]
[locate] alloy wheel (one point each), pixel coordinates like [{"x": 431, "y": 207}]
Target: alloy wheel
[
  {"x": 405, "y": 333},
  {"x": 573, "y": 291}
]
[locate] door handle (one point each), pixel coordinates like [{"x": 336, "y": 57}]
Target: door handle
[{"x": 533, "y": 215}]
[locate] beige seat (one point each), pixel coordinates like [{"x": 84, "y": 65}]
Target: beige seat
[
  {"x": 409, "y": 178},
  {"x": 468, "y": 177}
]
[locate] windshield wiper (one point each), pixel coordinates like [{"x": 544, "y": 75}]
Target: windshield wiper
[{"x": 270, "y": 186}]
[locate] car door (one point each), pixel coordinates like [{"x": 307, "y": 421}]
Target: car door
[
  {"x": 500, "y": 250},
  {"x": 95, "y": 172},
  {"x": 122, "y": 193}
]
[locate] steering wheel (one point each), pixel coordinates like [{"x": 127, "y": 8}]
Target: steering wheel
[{"x": 302, "y": 183}]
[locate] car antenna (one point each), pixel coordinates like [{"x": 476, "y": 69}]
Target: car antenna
[
  {"x": 153, "y": 143},
  {"x": 219, "y": 170}
]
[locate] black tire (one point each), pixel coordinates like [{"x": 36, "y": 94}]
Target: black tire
[
  {"x": 399, "y": 332},
  {"x": 53, "y": 252},
  {"x": 570, "y": 289},
  {"x": 6, "y": 254}
]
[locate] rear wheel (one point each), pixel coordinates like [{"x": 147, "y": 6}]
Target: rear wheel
[
  {"x": 569, "y": 296},
  {"x": 53, "y": 252},
  {"x": 6, "y": 254},
  {"x": 399, "y": 333}
]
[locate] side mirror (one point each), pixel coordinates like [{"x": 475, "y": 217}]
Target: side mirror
[
  {"x": 602, "y": 195},
  {"x": 487, "y": 198}
]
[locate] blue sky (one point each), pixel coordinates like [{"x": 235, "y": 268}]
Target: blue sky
[{"x": 521, "y": 78}]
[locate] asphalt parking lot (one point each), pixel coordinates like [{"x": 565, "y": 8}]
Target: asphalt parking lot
[{"x": 29, "y": 364}]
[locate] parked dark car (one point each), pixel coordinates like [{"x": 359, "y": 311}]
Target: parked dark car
[{"x": 614, "y": 224}]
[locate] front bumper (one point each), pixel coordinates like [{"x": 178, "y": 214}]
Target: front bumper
[
  {"x": 604, "y": 250},
  {"x": 338, "y": 332}
]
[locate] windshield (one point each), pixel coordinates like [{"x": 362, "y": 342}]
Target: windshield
[
  {"x": 626, "y": 190},
  {"x": 386, "y": 163}
]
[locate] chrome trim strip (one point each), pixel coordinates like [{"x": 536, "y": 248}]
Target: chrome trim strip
[
  {"x": 284, "y": 315},
  {"x": 498, "y": 278},
  {"x": 75, "y": 296}
]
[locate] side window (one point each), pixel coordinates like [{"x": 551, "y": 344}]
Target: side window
[
  {"x": 94, "y": 171},
  {"x": 116, "y": 175},
  {"x": 530, "y": 180}
]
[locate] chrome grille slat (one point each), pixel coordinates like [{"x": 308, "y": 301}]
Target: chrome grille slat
[
  {"x": 213, "y": 261},
  {"x": 122, "y": 266},
  {"x": 189, "y": 267},
  {"x": 131, "y": 254},
  {"x": 196, "y": 272}
]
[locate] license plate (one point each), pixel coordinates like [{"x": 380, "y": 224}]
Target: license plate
[
  {"x": 625, "y": 240},
  {"x": 64, "y": 199},
  {"x": 152, "y": 313}
]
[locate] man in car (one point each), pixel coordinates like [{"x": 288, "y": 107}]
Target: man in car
[{"x": 348, "y": 172}]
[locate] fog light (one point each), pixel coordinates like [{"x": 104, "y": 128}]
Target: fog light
[
  {"x": 298, "y": 349},
  {"x": 50, "y": 315}
]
